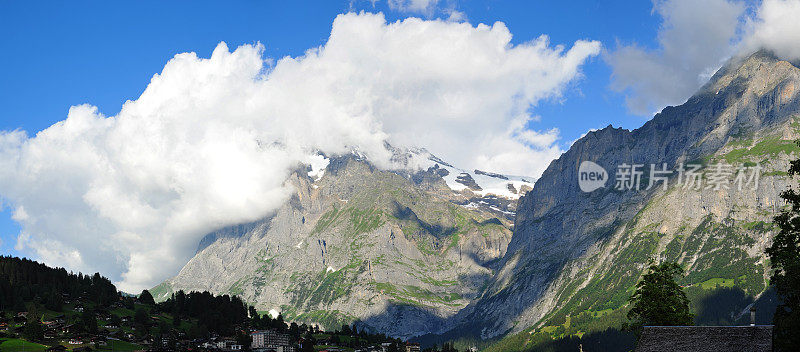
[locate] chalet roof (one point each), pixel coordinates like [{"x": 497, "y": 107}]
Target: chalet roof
[{"x": 705, "y": 339}]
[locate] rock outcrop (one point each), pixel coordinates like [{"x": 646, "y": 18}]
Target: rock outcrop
[
  {"x": 576, "y": 256},
  {"x": 432, "y": 252},
  {"x": 395, "y": 251}
]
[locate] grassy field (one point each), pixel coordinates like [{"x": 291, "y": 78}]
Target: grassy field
[
  {"x": 16, "y": 345},
  {"x": 716, "y": 282},
  {"x": 117, "y": 345}
]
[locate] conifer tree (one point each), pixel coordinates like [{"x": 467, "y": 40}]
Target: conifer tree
[
  {"x": 784, "y": 255},
  {"x": 659, "y": 300}
]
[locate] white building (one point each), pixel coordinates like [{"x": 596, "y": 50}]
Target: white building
[{"x": 264, "y": 340}]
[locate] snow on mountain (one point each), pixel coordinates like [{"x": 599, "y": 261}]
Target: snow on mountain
[
  {"x": 485, "y": 184},
  {"x": 479, "y": 183},
  {"x": 482, "y": 183},
  {"x": 317, "y": 165}
]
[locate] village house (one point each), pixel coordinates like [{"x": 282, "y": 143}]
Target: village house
[
  {"x": 100, "y": 341},
  {"x": 228, "y": 345},
  {"x": 209, "y": 344},
  {"x": 385, "y": 346},
  {"x": 75, "y": 341},
  {"x": 263, "y": 340},
  {"x": 51, "y": 333},
  {"x": 412, "y": 347},
  {"x": 52, "y": 324}
]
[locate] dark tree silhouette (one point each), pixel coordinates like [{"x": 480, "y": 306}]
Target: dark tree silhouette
[
  {"x": 659, "y": 300},
  {"x": 33, "y": 331},
  {"x": 146, "y": 298},
  {"x": 88, "y": 322},
  {"x": 26, "y": 285},
  {"x": 24, "y": 280},
  {"x": 141, "y": 319},
  {"x": 784, "y": 254}
]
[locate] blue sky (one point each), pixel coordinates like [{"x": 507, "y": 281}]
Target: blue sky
[{"x": 58, "y": 54}]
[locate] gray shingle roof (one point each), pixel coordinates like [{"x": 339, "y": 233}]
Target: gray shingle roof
[{"x": 705, "y": 339}]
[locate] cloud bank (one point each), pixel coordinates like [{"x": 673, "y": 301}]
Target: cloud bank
[
  {"x": 696, "y": 37},
  {"x": 776, "y": 28},
  {"x": 428, "y": 8},
  {"x": 693, "y": 38},
  {"x": 211, "y": 141},
  {"x": 419, "y": 6}
]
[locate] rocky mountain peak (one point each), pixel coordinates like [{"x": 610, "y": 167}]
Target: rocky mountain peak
[
  {"x": 575, "y": 253},
  {"x": 760, "y": 68}
]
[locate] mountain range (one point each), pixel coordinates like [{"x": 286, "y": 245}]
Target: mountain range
[
  {"x": 441, "y": 253},
  {"x": 399, "y": 250}
]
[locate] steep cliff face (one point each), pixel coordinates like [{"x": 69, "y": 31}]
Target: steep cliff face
[
  {"x": 410, "y": 253},
  {"x": 397, "y": 251},
  {"x": 576, "y": 256}
]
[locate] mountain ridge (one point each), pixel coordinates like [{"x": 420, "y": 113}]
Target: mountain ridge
[
  {"x": 358, "y": 242},
  {"x": 573, "y": 256},
  {"x": 747, "y": 113}
]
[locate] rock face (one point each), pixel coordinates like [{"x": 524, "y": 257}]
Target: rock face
[
  {"x": 396, "y": 251},
  {"x": 432, "y": 252},
  {"x": 576, "y": 256}
]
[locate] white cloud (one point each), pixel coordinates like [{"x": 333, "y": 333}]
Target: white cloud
[
  {"x": 211, "y": 141},
  {"x": 775, "y": 27},
  {"x": 454, "y": 15},
  {"x": 428, "y": 8},
  {"x": 694, "y": 40},
  {"x": 417, "y": 6}
]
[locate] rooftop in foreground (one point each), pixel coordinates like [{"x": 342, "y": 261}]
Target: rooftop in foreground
[{"x": 756, "y": 338}]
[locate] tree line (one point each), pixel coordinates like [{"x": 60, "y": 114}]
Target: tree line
[{"x": 24, "y": 280}]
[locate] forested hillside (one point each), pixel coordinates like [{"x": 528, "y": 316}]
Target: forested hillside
[
  {"x": 42, "y": 307},
  {"x": 24, "y": 280}
]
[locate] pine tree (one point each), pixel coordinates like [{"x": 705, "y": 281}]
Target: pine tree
[
  {"x": 176, "y": 321},
  {"x": 146, "y": 298},
  {"x": 659, "y": 300},
  {"x": 33, "y": 331},
  {"x": 88, "y": 322},
  {"x": 784, "y": 255},
  {"x": 141, "y": 319}
]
